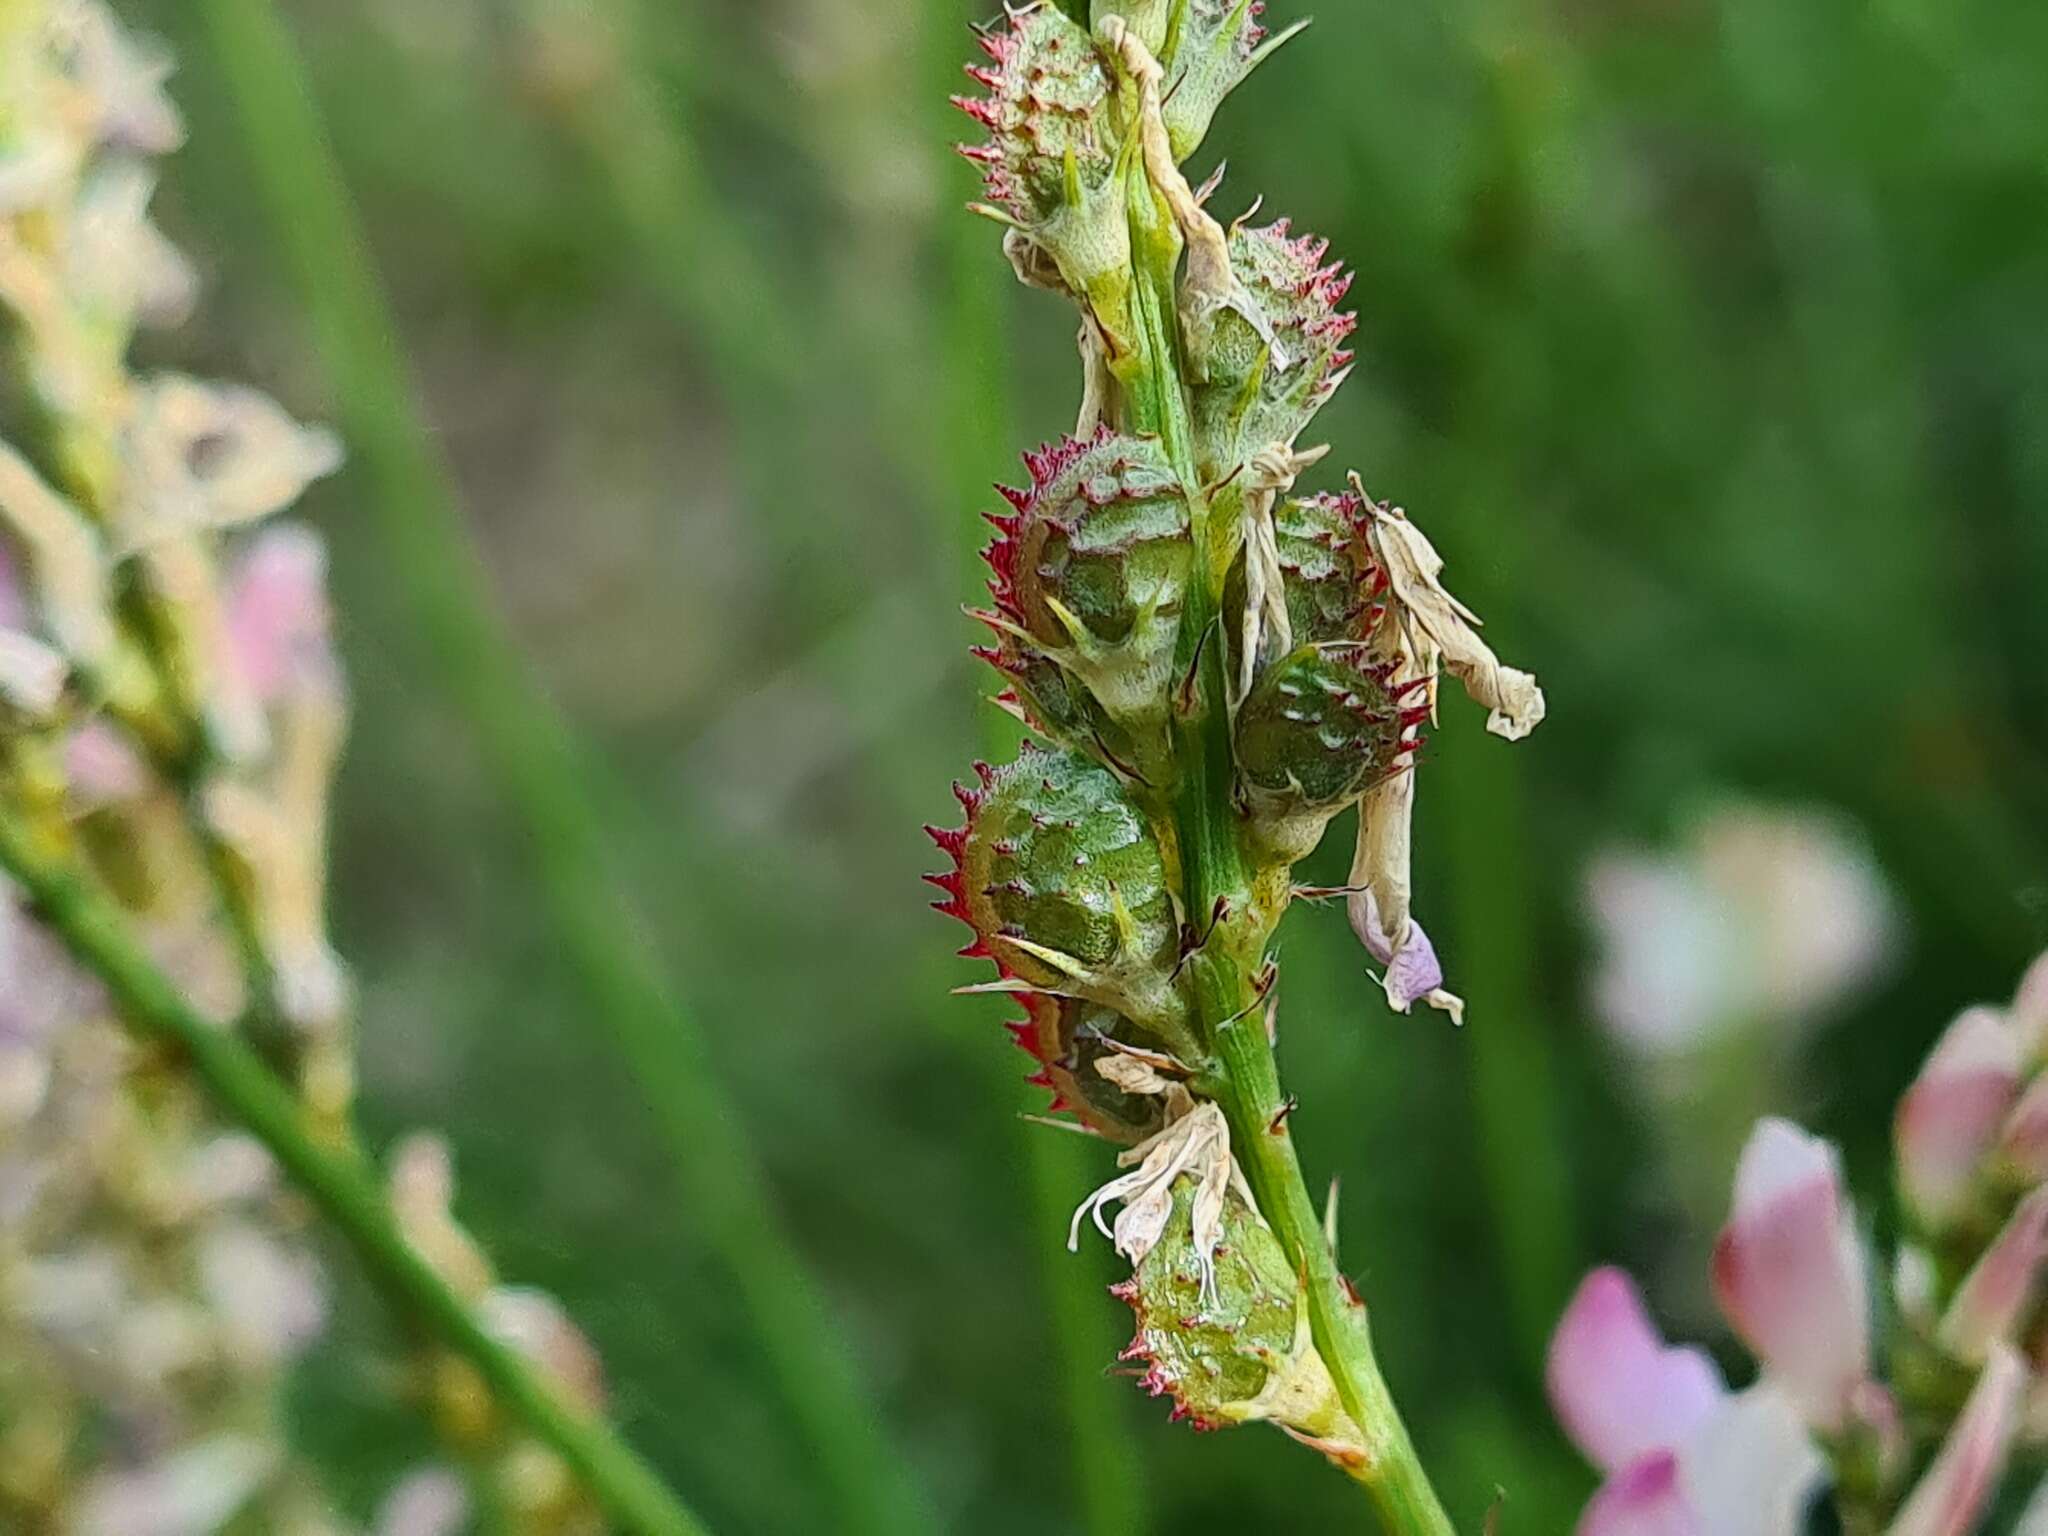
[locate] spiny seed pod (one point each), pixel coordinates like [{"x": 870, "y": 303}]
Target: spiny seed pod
[
  {"x": 1330, "y": 578},
  {"x": 1070, "y": 1037},
  {"x": 1090, "y": 574},
  {"x": 1208, "y": 48},
  {"x": 1229, "y": 1341},
  {"x": 1323, "y": 723},
  {"x": 1065, "y": 886},
  {"x": 1263, "y": 383},
  {"x": 1052, "y": 164}
]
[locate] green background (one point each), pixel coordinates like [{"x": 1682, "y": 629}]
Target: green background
[{"x": 1708, "y": 338}]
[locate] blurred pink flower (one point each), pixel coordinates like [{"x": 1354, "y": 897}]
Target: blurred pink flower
[
  {"x": 277, "y": 612},
  {"x": 431, "y": 1502},
  {"x": 1683, "y": 1456},
  {"x": 1957, "y": 1488},
  {"x": 1997, "y": 1294},
  {"x": 1789, "y": 1272},
  {"x": 1952, "y": 1115},
  {"x": 1764, "y": 913}
]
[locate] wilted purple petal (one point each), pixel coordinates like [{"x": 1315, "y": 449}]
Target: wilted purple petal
[
  {"x": 1789, "y": 1272},
  {"x": 1618, "y": 1390}
]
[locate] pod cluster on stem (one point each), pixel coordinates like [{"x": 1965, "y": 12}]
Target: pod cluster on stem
[{"x": 1216, "y": 657}]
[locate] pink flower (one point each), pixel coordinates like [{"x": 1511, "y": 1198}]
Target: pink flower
[
  {"x": 1789, "y": 1272},
  {"x": 1995, "y": 1296},
  {"x": 1951, "y": 1116},
  {"x": 1683, "y": 1456},
  {"x": 1956, "y": 1489},
  {"x": 2030, "y": 1008},
  {"x": 277, "y": 613}
]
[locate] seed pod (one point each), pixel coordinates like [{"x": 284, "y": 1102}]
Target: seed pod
[
  {"x": 1065, "y": 886},
  {"x": 1091, "y": 571},
  {"x": 1264, "y": 376},
  {"x": 1051, "y": 166},
  {"x": 1329, "y": 576},
  {"x": 1070, "y": 1037},
  {"x": 1323, "y": 723},
  {"x": 1229, "y": 1341},
  {"x": 1320, "y": 729}
]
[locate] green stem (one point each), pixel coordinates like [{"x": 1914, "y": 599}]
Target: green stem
[
  {"x": 339, "y": 1184},
  {"x": 539, "y": 764},
  {"x": 1244, "y": 1076}
]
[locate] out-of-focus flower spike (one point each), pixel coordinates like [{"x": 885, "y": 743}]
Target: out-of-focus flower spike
[
  {"x": 430, "y": 1502},
  {"x": 2023, "y": 1141},
  {"x": 32, "y": 676},
  {"x": 2029, "y": 1013},
  {"x": 119, "y": 269},
  {"x": 215, "y": 456},
  {"x": 119, "y": 83},
  {"x": 65, "y": 560},
  {"x": 1957, "y": 1489},
  {"x": 1952, "y": 1115},
  {"x": 1998, "y": 1294},
  {"x": 197, "y": 1489},
  {"x": 1790, "y": 1275}
]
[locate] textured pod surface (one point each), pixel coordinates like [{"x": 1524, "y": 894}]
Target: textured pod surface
[
  {"x": 1213, "y": 1344},
  {"x": 1045, "y": 111},
  {"x": 1064, "y": 883},
  {"x": 1318, "y": 728},
  {"x": 1248, "y": 399},
  {"x": 1091, "y": 570},
  {"x": 1070, "y": 1037},
  {"x": 1332, "y": 583}
]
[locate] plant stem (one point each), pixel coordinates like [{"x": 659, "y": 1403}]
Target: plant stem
[
  {"x": 338, "y": 1183},
  {"x": 1244, "y": 1075},
  {"x": 540, "y": 766}
]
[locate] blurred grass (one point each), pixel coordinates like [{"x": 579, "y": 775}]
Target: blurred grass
[
  {"x": 1709, "y": 339},
  {"x": 540, "y": 769}
]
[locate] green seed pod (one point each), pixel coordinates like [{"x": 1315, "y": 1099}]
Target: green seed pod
[
  {"x": 1066, "y": 887},
  {"x": 1328, "y": 573},
  {"x": 1319, "y": 729},
  {"x": 1323, "y": 723},
  {"x": 1071, "y": 1037},
  {"x": 1091, "y": 571},
  {"x": 1054, "y": 157},
  {"x": 1264, "y": 375},
  {"x": 1227, "y": 1338}
]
